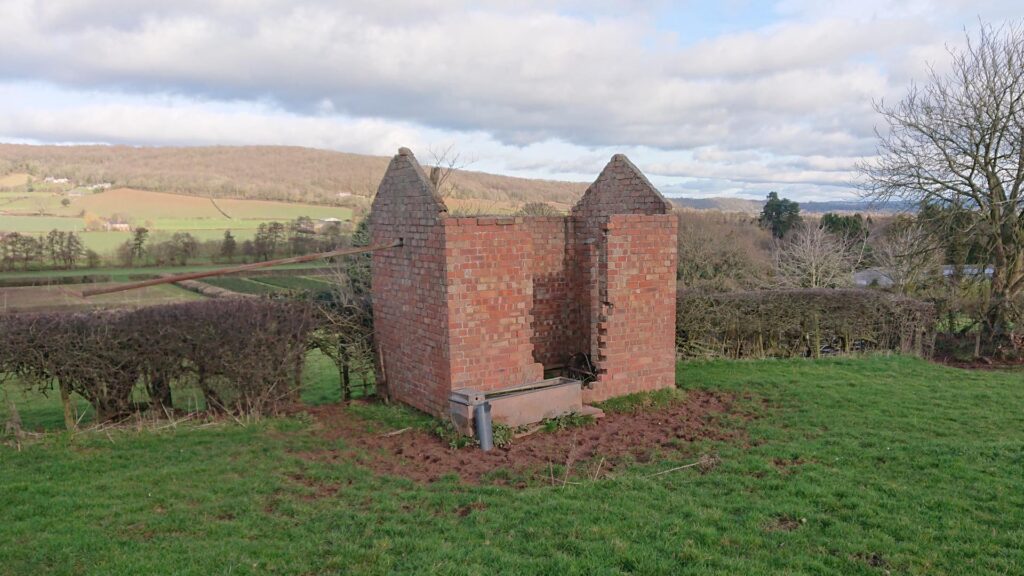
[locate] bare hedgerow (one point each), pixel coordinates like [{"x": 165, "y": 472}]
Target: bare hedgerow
[
  {"x": 243, "y": 355},
  {"x": 788, "y": 323}
]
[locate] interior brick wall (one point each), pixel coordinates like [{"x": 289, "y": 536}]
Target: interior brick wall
[
  {"x": 490, "y": 299},
  {"x": 557, "y": 318}
]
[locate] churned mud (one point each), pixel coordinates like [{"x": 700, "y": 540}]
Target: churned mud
[{"x": 595, "y": 450}]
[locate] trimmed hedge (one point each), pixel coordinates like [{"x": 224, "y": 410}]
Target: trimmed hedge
[
  {"x": 243, "y": 355},
  {"x": 789, "y": 323}
]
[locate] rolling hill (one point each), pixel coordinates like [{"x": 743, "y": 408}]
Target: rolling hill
[
  {"x": 748, "y": 206},
  {"x": 284, "y": 173},
  {"x": 294, "y": 174}
]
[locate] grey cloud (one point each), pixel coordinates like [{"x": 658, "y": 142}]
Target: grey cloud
[
  {"x": 523, "y": 76},
  {"x": 797, "y": 93}
]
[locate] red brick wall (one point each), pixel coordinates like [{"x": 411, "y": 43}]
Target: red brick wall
[
  {"x": 409, "y": 305},
  {"x": 557, "y": 319},
  {"x": 635, "y": 326},
  {"x": 620, "y": 189},
  {"x": 485, "y": 302},
  {"x": 490, "y": 298}
]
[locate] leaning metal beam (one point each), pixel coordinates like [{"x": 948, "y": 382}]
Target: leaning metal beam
[{"x": 241, "y": 268}]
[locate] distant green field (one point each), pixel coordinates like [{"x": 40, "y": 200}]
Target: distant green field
[
  {"x": 142, "y": 205},
  {"x": 163, "y": 214},
  {"x": 193, "y": 224},
  {"x": 52, "y": 298},
  {"x": 125, "y": 274},
  {"x": 241, "y": 285},
  {"x": 39, "y": 224},
  {"x": 269, "y": 284},
  {"x": 297, "y": 282}
]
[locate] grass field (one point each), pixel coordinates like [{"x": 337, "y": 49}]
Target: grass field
[
  {"x": 44, "y": 296},
  {"x": 269, "y": 284},
  {"x": 241, "y": 285},
  {"x": 142, "y": 205},
  {"x": 14, "y": 179},
  {"x": 160, "y": 212},
  {"x": 124, "y": 274},
  {"x": 311, "y": 283},
  {"x": 40, "y": 224},
  {"x": 883, "y": 465},
  {"x": 48, "y": 298}
]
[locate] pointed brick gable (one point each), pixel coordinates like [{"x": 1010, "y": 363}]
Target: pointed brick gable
[
  {"x": 405, "y": 187},
  {"x": 490, "y": 303},
  {"x": 409, "y": 284},
  {"x": 621, "y": 188}
]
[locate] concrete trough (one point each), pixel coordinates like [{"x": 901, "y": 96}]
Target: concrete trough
[{"x": 518, "y": 405}]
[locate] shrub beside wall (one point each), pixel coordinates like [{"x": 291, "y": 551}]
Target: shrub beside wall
[
  {"x": 789, "y": 323},
  {"x": 243, "y": 355}
]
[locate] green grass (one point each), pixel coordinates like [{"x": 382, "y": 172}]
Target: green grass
[
  {"x": 39, "y": 224},
  {"x": 268, "y": 284},
  {"x": 162, "y": 213},
  {"x": 106, "y": 242},
  {"x": 311, "y": 284},
  {"x": 125, "y": 274},
  {"x": 873, "y": 466},
  {"x": 241, "y": 285},
  {"x": 48, "y": 298}
]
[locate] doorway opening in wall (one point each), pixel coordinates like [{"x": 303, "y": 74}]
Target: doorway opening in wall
[{"x": 579, "y": 367}]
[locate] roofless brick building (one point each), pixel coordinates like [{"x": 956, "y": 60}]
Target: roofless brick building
[{"x": 490, "y": 304}]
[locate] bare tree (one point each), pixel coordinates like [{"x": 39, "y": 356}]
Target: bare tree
[
  {"x": 908, "y": 255},
  {"x": 345, "y": 331},
  {"x": 720, "y": 252},
  {"x": 813, "y": 258},
  {"x": 538, "y": 209},
  {"x": 955, "y": 144},
  {"x": 445, "y": 163}
]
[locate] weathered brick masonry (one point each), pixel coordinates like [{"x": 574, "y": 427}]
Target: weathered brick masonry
[{"x": 488, "y": 303}]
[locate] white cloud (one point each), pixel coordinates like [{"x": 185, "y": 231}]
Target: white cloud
[
  {"x": 518, "y": 80},
  {"x": 179, "y": 122}
]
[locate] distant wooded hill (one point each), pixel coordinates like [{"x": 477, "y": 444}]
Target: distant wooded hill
[
  {"x": 261, "y": 172},
  {"x": 309, "y": 175},
  {"x": 754, "y": 206}
]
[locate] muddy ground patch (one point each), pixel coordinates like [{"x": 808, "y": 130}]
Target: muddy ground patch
[{"x": 596, "y": 450}]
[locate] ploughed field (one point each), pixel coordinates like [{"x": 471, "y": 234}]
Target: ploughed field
[{"x": 876, "y": 465}]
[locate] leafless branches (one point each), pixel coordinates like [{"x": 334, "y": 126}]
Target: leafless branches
[
  {"x": 446, "y": 162},
  {"x": 908, "y": 256},
  {"x": 813, "y": 258},
  {"x": 786, "y": 323},
  {"x": 245, "y": 356},
  {"x": 956, "y": 143}
]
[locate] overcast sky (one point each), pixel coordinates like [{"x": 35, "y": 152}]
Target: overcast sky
[{"x": 710, "y": 98}]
